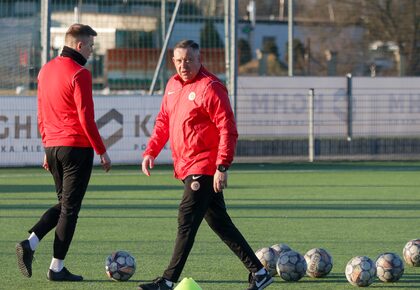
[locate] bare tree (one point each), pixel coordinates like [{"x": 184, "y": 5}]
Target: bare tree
[
  {"x": 395, "y": 22},
  {"x": 332, "y": 37},
  {"x": 389, "y": 31}
]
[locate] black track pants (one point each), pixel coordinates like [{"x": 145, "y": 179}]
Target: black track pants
[
  {"x": 71, "y": 168},
  {"x": 200, "y": 201}
]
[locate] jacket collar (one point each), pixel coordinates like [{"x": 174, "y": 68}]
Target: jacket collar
[{"x": 74, "y": 55}]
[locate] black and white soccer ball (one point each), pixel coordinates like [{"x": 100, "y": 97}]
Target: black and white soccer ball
[
  {"x": 291, "y": 266},
  {"x": 411, "y": 253},
  {"x": 268, "y": 258},
  {"x": 360, "y": 271},
  {"x": 389, "y": 267},
  {"x": 319, "y": 263},
  {"x": 120, "y": 266}
]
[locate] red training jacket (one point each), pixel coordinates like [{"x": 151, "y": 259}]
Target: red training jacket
[
  {"x": 197, "y": 118},
  {"x": 65, "y": 106}
]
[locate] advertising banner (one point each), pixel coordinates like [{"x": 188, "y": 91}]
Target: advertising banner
[
  {"x": 124, "y": 122},
  {"x": 266, "y": 107},
  {"x": 370, "y": 107}
]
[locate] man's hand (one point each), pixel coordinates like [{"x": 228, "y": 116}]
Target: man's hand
[
  {"x": 105, "y": 161},
  {"x": 45, "y": 163},
  {"x": 220, "y": 181},
  {"x": 148, "y": 162}
]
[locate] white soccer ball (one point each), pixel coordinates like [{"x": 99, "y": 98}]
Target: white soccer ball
[
  {"x": 281, "y": 248},
  {"x": 411, "y": 253},
  {"x": 268, "y": 258},
  {"x": 360, "y": 271},
  {"x": 291, "y": 266},
  {"x": 389, "y": 267},
  {"x": 120, "y": 266},
  {"x": 319, "y": 263}
]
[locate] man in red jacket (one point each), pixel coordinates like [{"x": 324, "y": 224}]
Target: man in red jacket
[
  {"x": 197, "y": 119},
  {"x": 69, "y": 134}
]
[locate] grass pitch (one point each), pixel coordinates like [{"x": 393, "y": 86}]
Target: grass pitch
[{"x": 349, "y": 209}]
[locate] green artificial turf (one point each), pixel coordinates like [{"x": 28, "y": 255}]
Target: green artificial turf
[{"x": 349, "y": 209}]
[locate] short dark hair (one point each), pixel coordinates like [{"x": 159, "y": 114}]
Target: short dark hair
[
  {"x": 78, "y": 31},
  {"x": 187, "y": 43}
]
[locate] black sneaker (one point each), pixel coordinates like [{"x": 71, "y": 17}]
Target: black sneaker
[
  {"x": 63, "y": 275},
  {"x": 25, "y": 256},
  {"x": 158, "y": 284},
  {"x": 257, "y": 282}
]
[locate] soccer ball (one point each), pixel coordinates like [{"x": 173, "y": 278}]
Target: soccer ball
[
  {"x": 291, "y": 266},
  {"x": 411, "y": 253},
  {"x": 360, "y": 271},
  {"x": 268, "y": 258},
  {"x": 280, "y": 248},
  {"x": 319, "y": 263},
  {"x": 120, "y": 266},
  {"x": 389, "y": 267}
]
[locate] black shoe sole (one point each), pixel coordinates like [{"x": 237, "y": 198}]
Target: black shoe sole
[{"x": 21, "y": 264}]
